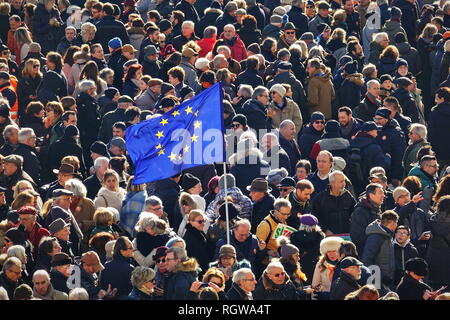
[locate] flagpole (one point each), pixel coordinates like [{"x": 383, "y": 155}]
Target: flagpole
[{"x": 226, "y": 200}]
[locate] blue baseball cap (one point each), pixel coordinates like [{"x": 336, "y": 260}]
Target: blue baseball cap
[{"x": 115, "y": 43}]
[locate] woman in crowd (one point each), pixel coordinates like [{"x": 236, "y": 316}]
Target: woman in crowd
[
  {"x": 131, "y": 81},
  {"x": 54, "y": 85},
  {"x": 143, "y": 281},
  {"x": 28, "y": 85},
  {"x": 48, "y": 247},
  {"x": 110, "y": 195},
  {"x": 34, "y": 119}
]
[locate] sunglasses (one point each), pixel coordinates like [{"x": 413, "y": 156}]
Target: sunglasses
[
  {"x": 36, "y": 66},
  {"x": 276, "y": 275},
  {"x": 161, "y": 260},
  {"x": 290, "y": 32},
  {"x": 200, "y": 221},
  {"x": 319, "y": 122},
  {"x": 235, "y": 125},
  {"x": 309, "y": 7}
]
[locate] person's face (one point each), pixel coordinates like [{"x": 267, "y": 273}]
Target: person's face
[
  {"x": 310, "y": 10},
  {"x": 273, "y": 48},
  {"x": 358, "y": 50},
  {"x": 283, "y": 213},
  {"x": 333, "y": 255},
  {"x": 276, "y": 97},
  {"x": 242, "y": 233},
  {"x": 338, "y": 184},
  {"x": 290, "y": 34},
  {"x": 16, "y": 3},
  {"x": 156, "y": 89},
  {"x": 264, "y": 98},
  {"x": 387, "y": 84},
  {"x": 14, "y": 137},
  {"x": 318, "y": 125},
  {"x": 323, "y": 163},
  {"x": 66, "y": 270},
  {"x": 404, "y": 199},
  {"x": 142, "y": 85},
  {"x": 9, "y": 169},
  {"x": 100, "y": 171},
  {"x": 413, "y": 137},
  {"x": 128, "y": 252},
  {"x": 324, "y": 12},
  {"x": 64, "y": 234},
  {"x": 92, "y": 91},
  {"x": 187, "y": 31},
  {"x": 198, "y": 223},
  {"x": 239, "y": 18},
  {"x": 14, "y": 273},
  {"x": 227, "y": 261},
  {"x": 173, "y": 80},
  {"x": 377, "y": 197},
  {"x": 349, "y": 7},
  {"x": 96, "y": 14},
  {"x": 129, "y": 55},
  {"x": 277, "y": 275},
  {"x": 27, "y": 220},
  {"x": 109, "y": 79},
  {"x": 374, "y": 89},
  {"x": 71, "y": 121},
  {"x": 56, "y": 248},
  {"x": 7, "y": 243},
  {"x": 49, "y": 5},
  {"x": 2, "y": 198},
  {"x": 117, "y": 132},
  {"x": 63, "y": 178},
  {"x": 256, "y": 196},
  {"x": 354, "y": 271},
  {"x": 403, "y": 70},
  {"x": 267, "y": 143},
  {"x": 31, "y": 141},
  {"x": 155, "y": 36},
  {"x": 248, "y": 284},
  {"x": 64, "y": 202},
  {"x": 6, "y": 54},
  {"x": 380, "y": 121},
  {"x": 171, "y": 262},
  {"x": 431, "y": 167},
  {"x": 304, "y": 195},
  {"x": 402, "y": 236},
  {"x": 111, "y": 183},
  {"x": 343, "y": 119},
  {"x": 162, "y": 264},
  {"x": 392, "y": 225},
  {"x": 70, "y": 34},
  {"x": 41, "y": 284},
  {"x": 237, "y": 128},
  {"x": 13, "y": 24},
  {"x": 301, "y": 173},
  {"x": 288, "y": 132},
  {"x": 197, "y": 189},
  {"x": 229, "y": 33},
  {"x": 157, "y": 209},
  {"x": 98, "y": 53}
]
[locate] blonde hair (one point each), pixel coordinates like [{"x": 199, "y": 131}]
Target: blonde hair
[
  {"x": 135, "y": 188},
  {"x": 194, "y": 214},
  {"x": 28, "y": 67},
  {"x": 22, "y": 199},
  {"x": 18, "y": 186},
  {"x": 102, "y": 217},
  {"x": 214, "y": 272}
]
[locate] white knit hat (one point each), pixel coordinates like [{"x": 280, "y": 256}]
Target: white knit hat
[{"x": 330, "y": 244}]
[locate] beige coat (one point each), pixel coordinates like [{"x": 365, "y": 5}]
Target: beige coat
[
  {"x": 291, "y": 111},
  {"x": 320, "y": 93}
]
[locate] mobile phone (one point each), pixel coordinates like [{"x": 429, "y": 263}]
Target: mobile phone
[{"x": 204, "y": 285}]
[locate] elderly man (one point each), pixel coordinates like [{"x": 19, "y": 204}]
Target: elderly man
[
  {"x": 93, "y": 183},
  {"x": 233, "y": 65},
  {"x": 334, "y": 205},
  {"x": 234, "y": 42},
  {"x": 90, "y": 266},
  {"x": 61, "y": 231},
  {"x": 392, "y": 141},
  {"x": 255, "y": 109},
  {"x": 274, "y": 154},
  {"x": 105, "y": 131},
  {"x": 245, "y": 243},
  {"x": 10, "y": 277},
  {"x": 33, "y": 230},
  {"x": 275, "y": 284},
  {"x": 11, "y": 139},
  {"x": 13, "y": 173},
  {"x": 319, "y": 178},
  {"x": 244, "y": 283},
  {"x": 347, "y": 281},
  {"x": 183, "y": 274},
  {"x": 60, "y": 271},
  {"x": 69, "y": 39},
  {"x": 417, "y": 134},
  {"x": 27, "y": 150},
  {"x": 43, "y": 289},
  {"x": 411, "y": 286},
  {"x": 282, "y": 107},
  {"x": 287, "y": 136},
  {"x": 188, "y": 58},
  {"x": 64, "y": 173},
  {"x": 371, "y": 102},
  {"x": 187, "y": 34},
  {"x": 154, "y": 205}
]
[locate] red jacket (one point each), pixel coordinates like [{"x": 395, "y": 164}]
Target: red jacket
[
  {"x": 206, "y": 46},
  {"x": 35, "y": 236},
  {"x": 238, "y": 50}
]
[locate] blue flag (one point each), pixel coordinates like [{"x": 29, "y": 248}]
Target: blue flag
[{"x": 189, "y": 135}]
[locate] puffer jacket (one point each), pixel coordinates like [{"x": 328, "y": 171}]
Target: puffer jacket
[
  {"x": 349, "y": 94},
  {"x": 364, "y": 214},
  {"x": 180, "y": 281},
  {"x": 438, "y": 256},
  {"x": 239, "y": 199}
]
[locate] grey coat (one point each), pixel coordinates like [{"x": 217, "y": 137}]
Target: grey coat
[{"x": 190, "y": 77}]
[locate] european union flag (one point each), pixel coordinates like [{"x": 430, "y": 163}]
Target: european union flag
[{"x": 189, "y": 135}]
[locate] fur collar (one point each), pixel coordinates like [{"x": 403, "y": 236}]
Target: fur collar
[
  {"x": 252, "y": 153},
  {"x": 187, "y": 266},
  {"x": 186, "y": 197}
]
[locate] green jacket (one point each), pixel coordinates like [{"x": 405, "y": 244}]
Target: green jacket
[
  {"x": 425, "y": 179},
  {"x": 410, "y": 156}
]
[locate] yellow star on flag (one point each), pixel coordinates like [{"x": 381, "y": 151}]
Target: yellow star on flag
[
  {"x": 197, "y": 124},
  {"x": 194, "y": 138},
  {"x": 160, "y": 152},
  {"x": 188, "y": 110},
  {"x": 172, "y": 156},
  {"x": 164, "y": 122},
  {"x": 186, "y": 149},
  {"x": 159, "y": 146},
  {"x": 176, "y": 113},
  {"x": 160, "y": 134}
]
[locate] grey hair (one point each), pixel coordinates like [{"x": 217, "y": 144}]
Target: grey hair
[
  {"x": 72, "y": 28},
  {"x": 77, "y": 187},
  {"x": 296, "y": 3},
  {"x": 25, "y": 134},
  {"x": 86, "y": 28},
  {"x": 376, "y": 170},
  {"x": 331, "y": 176},
  {"x": 259, "y": 91},
  {"x": 370, "y": 83},
  {"x": 9, "y": 129},
  {"x": 85, "y": 85},
  {"x": 146, "y": 220},
  {"x": 188, "y": 23},
  {"x": 240, "y": 274},
  {"x": 105, "y": 72},
  {"x": 141, "y": 275},
  {"x": 285, "y": 123},
  {"x": 243, "y": 222},
  {"x": 283, "y": 53},
  {"x": 270, "y": 135},
  {"x": 281, "y": 203},
  {"x": 12, "y": 261},
  {"x": 218, "y": 59},
  {"x": 16, "y": 251},
  {"x": 41, "y": 272},
  {"x": 273, "y": 265},
  {"x": 78, "y": 294},
  {"x": 109, "y": 249},
  {"x": 246, "y": 90},
  {"x": 3, "y": 292},
  {"x": 99, "y": 161},
  {"x": 178, "y": 253},
  {"x": 209, "y": 32},
  {"x": 297, "y": 48},
  {"x": 378, "y": 37},
  {"x": 229, "y": 26},
  {"x": 223, "y": 48},
  {"x": 419, "y": 129},
  {"x": 153, "y": 201}
]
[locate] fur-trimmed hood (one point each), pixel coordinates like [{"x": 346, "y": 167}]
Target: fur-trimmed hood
[
  {"x": 184, "y": 196},
  {"x": 356, "y": 78},
  {"x": 136, "y": 30},
  {"x": 190, "y": 265},
  {"x": 213, "y": 10},
  {"x": 252, "y": 153}
]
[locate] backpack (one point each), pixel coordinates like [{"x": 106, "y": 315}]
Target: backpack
[{"x": 355, "y": 168}]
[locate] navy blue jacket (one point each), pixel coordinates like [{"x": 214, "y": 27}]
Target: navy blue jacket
[
  {"x": 319, "y": 184},
  {"x": 306, "y": 139},
  {"x": 438, "y": 125},
  {"x": 407, "y": 103},
  {"x": 299, "y": 19},
  {"x": 108, "y": 28},
  {"x": 392, "y": 141},
  {"x": 117, "y": 273}
]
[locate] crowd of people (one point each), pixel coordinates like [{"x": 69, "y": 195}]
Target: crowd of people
[{"x": 344, "y": 104}]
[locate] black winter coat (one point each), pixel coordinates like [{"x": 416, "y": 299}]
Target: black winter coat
[
  {"x": 236, "y": 293},
  {"x": 306, "y": 139},
  {"x": 407, "y": 103},
  {"x": 259, "y": 14},
  {"x": 168, "y": 190},
  {"x": 88, "y": 119},
  {"x": 411, "y": 289},
  {"x": 117, "y": 273},
  {"x": 31, "y": 164},
  {"x": 256, "y": 115},
  {"x": 349, "y": 94},
  {"x": 246, "y": 172},
  {"x": 392, "y": 141},
  {"x": 190, "y": 13},
  {"x": 9, "y": 285},
  {"x": 249, "y": 77},
  {"x": 197, "y": 246},
  {"x": 66, "y": 146},
  {"x": 59, "y": 281},
  {"x": 342, "y": 286},
  {"x": 334, "y": 212},
  {"x": 438, "y": 125},
  {"x": 261, "y": 209},
  {"x": 52, "y": 88},
  {"x": 292, "y": 150},
  {"x": 438, "y": 256},
  {"x": 92, "y": 185},
  {"x": 27, "y": 87},
  {"x": 282, "y": 157},
  {"x": 386, "y": 65},
  {"x": 366, "y": 109},
  {"x": 209, "y": 19},
  {"x": 267, "y": 290},
  {"x": 37, "y": 124},
  {"x": 249, "y": 36},
  {"x": 108, "y": 28},
  {"x": 299, "y": 19},
  {"x": 48, "y": 36},
  {"x": 403, "y": 254}
]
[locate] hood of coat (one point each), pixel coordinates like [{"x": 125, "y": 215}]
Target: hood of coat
[
  {"x": 136, "y": 31},
  {"x": 189, "y": 265},
  {"x": 323, "y": 76},
  {"x": 356, "y": 78},
  {"x": 391, "y": 26},
  {"x": 403, "y": 47},
  {"x": 253, "y": 153},
  {"x": 270, "y": 285},
  {"x": 376, "y": 228},
  {"x": 186, "y": 198}
]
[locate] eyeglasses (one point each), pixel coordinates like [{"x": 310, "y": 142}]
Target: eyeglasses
[
  {"x": 319, "y": 122},
  {"x": 264, "y": 95},
  {"x": 129, "y": 248},
  {"x": 309, "y": 7},
  {"x": 36, "y": 66},
  {"x": 289, "y": 32},
  {"x": 284, "y": 213},
  {"x": 161, "y": 260},
  {"x": 281, "y": 274},
  {"x": 433, "y": 166},
  {"x": 200, "y": 221},
  {"x": 252, "y": 279},
  {"x": 15, "y": 272},
  {"x": 236, "y": 125}
]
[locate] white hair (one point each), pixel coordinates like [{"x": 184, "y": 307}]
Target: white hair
[
  {"x": 77, "y": 187},
  {"x": 100, "y": 161},
  {"x": 246, "y": 91},
  {"x": 272, "y": 136},
  {"x": 229, "y": 26},
  {"x": 85, "y": 85},
  {"x": 41, "y": 272},
  {"x": 331, "y": 176},
  {"x": 372, "y": 82},
  {"x": 78, "y": 294},
  {"x": 240, "y": 274},
  {"x": 378, "y": 37},
  {"x": 9, "y": 130},
  {"x": 420, "y": 129},
  {"x": 141, "y": 275},
  {"x": 273, "y": 265},
  {"x": 223, "y": 48},
  {"x": 188, "y": 24},
  {"x": 17, "y": 251},
  {"x": 25, "y": 134}
]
